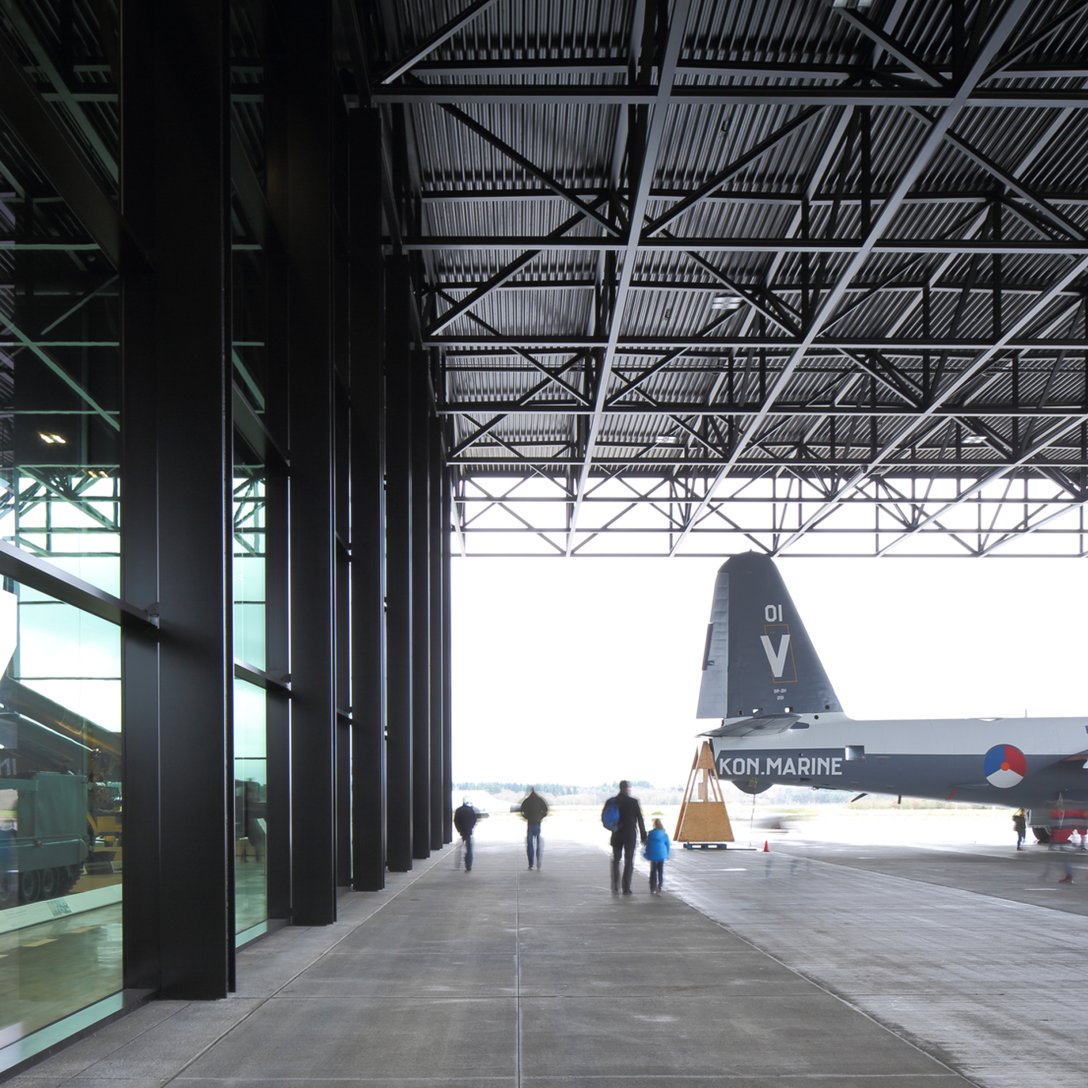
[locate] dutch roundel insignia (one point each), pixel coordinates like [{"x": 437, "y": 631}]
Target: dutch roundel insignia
[{"x": 1004, "y": 766}]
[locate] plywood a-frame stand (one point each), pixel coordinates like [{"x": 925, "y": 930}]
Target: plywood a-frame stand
[{"x": 704, "y": 819}]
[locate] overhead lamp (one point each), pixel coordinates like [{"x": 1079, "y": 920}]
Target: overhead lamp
[
  {"x": 51, "y": 438},
  {"x": 974, "y": 440},
  {"x": 97, "y": 473},
  {"x": 667, "y": 440},
  {"x": 725, "y": 302},
  {"x": 858, "y": 5}
]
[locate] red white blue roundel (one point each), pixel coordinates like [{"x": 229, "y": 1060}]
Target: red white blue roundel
[{"x": 1004, "y": 766}]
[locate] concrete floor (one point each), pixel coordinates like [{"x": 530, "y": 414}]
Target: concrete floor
[{"x": 807, "y": 966}]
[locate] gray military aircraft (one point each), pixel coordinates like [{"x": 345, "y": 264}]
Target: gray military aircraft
[{"x": 781, "y": 721}]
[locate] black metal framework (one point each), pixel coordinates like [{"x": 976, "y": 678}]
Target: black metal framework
[
  {"x": 807, "y": 278},
  {"x": 222, "y": 245}
]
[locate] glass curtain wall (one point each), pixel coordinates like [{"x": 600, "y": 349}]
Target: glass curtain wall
[
  {"x": 250, "y": 710},
  {"x": 61, "y": 781},
  {"x": 61, "y": 805}
]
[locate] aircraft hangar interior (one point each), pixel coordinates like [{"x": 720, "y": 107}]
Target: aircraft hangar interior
[{"x": 305, "y": 300}]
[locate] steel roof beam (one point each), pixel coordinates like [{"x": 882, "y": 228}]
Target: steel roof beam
[
  {"x": 954, "y": 387},
  {"x": 990, "y": 478},
  {"x": 743, "y": 196},
  {"x": 732, "y": 169},
  {"x": 32, "y": 40},
  {"x": 611, "y": 65},
  {"x": 435, "y": 40},
  {"x": 915, "y": 65},
  {"x": 829, "y": 304},
  {"x": 655, "y": 131},
  {"x": 27, "y": 116},
  {"x": 485, "y": 134},
  {"x": 782, "y": 345},
  {"x": 498, "y": 243},
  {"x": 505, "y": 94},
  {"x": 1002, "y": 65},
  {"x": 481, "y": 291}
]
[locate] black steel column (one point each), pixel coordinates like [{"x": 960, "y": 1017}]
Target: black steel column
[
  {"x": 139, "y": 521},
  {"x": 190, "y": 148},
  {"x": 398, "y": 379},
  {"x": 440, "y": 798},
  {"x": 421, "y": 609},
  {"x": 367, "y": 302},
  {"x": 309, "y": 246},
  {"x": 277, "y": 485},
  {"x": 342, "y": 636}
]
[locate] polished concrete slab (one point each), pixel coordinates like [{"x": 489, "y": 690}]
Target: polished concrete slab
[{"x": 811, "y": 965}]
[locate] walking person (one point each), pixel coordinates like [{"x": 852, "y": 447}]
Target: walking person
[
  {"x": 464, "y": 819},
  {"x": 1020, "y": 823},
  {"x": 534, "y": 808},
  {"x": 657, "y": 850},
  {"x": 628, "y": 825}
]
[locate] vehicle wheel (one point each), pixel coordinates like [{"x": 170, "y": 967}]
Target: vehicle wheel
[
  {"x": 30, "y": 886},
  {"x": 9, "y": 890},
  {"x": 1042, "y": 834},
  {"x": 47, "y": 885},
  {"x": 66, "y": 878}
]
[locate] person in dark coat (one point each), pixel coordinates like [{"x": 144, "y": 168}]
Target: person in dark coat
[
  {"x": 534, "y": 808},
  {"x": 623, "y": 838},
  {"x": 1020, "y": 826},
  {"x": 464, "y": 819}
]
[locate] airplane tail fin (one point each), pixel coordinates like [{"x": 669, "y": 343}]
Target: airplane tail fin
[{"x": 758, "y": 659}]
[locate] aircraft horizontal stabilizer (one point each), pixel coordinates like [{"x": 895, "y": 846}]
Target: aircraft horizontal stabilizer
[
  {"x": 746, "y": 727},
  {"x": 1077, "y": 757}
]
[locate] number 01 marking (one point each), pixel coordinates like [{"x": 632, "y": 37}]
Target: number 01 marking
[{"x": 772, "y": 613}]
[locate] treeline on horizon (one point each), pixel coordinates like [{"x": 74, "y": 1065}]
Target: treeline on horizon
[{"x": 556, "y": 789}]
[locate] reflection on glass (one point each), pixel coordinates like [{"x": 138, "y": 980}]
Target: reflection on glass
[
  {"x": 250, "y": 810},
  {"x": 249, "y": 565},
  {"x": 60, "y": 813}
]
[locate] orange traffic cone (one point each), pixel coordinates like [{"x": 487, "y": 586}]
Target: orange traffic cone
[{"x": 766, "y": 847}]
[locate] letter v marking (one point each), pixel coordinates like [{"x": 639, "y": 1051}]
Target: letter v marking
[{"x": 777, "y": 661}]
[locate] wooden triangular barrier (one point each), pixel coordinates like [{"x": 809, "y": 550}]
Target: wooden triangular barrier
[{"x": 703, "y": 815}]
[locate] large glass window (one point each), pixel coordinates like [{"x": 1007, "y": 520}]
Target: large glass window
[
  {"x": 250, "y": 714},
  {"x": 61, "y": 802},
  {"x": 249, "y": 569},
  {"x": 250, "y": 812}
]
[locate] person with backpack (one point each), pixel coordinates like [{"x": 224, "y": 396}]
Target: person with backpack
[
  {"x": 464, "y": 819},
  {"x": 657, "y": 850},
  {"x": 622, "y": 815},
  {"x": 534, "y": 808}
]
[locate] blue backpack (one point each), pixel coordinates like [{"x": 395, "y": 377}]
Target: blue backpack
[{"x": 610, "y": 814}]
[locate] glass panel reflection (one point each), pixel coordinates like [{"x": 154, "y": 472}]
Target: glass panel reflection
[
  {"x": 250, "y": 808},
  {"x": 60, "y": 812},
  {"x": 249, "y": 568}
]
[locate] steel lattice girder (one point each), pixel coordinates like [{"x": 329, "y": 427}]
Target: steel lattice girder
[{"x": 845, "y": 261}]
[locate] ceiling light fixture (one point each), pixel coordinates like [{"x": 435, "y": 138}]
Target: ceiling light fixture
[
  {"x": 51, "y": 438},
  {"x": 725, "y": 302},
  {"x": 667, "y": 440}
]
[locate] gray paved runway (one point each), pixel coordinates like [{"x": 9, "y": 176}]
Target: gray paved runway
[{"x": 792, "y": 968}]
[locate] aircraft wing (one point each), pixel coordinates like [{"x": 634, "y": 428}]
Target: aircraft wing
[{"x": 746, "y": 727}]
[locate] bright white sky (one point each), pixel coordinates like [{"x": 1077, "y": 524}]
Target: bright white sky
[{"x": 585, "y": 671}]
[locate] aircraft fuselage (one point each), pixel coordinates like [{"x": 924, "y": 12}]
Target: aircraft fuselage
[{"x": 1022, "y": 762}]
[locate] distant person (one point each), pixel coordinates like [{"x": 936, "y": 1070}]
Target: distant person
[
  {"x": 1020, "y": 823},
  {"x": 628, "y": 825},
  {"x": 534, "y": 808},
  {"x": 464, "y": 819},
  {"x": 657, "y": 850}
]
